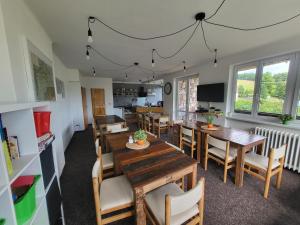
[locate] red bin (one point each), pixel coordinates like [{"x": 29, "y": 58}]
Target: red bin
[{"x": 42, "y": 123}]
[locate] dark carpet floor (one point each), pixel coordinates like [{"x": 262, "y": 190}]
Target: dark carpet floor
[{"x": 224, "y": 203}]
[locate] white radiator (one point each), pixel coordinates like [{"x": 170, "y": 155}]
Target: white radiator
[{"x": 277, "y": 138}]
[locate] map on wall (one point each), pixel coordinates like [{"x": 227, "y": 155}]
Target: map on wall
[
  {"x": 42, "y": 78},
  {"x": 60, "y": 87}
]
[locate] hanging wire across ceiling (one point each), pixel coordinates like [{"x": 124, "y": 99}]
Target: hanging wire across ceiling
[{"x": 200, "y": 18}]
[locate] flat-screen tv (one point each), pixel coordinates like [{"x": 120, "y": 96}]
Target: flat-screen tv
[{"x": 210, "y": 92}]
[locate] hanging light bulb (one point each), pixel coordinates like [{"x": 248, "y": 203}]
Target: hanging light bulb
[
  {"x": 87, "y": 55},
  {"x": 153, "y": 78},
  {"x": 126, "y": 76},
  {"x": 153, "y": 63},
  {"x": 94, "y": 72},
  {"x": 215, "y": 61},
  {"x": 184, "y": 67},
  {"x": 90, "y": 36}
]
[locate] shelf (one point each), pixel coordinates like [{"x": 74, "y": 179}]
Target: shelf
[
  {"x": 11, "y": 107},
  {"x": 20, "y": 165},
  {"x": 38, "y": 206}
]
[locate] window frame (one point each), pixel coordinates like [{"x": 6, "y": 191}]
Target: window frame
[
  {"x": 293, "y": 83},
  {"x": 186, "y": 78}
]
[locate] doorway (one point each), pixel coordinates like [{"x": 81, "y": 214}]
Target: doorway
[{"x": 98, "y": 101}]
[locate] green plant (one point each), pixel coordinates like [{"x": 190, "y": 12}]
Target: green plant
[
  {"x": 140, "y": 135},
  {"x": 285, "y": 118}
]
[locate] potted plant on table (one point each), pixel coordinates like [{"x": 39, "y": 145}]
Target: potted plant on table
[
  {"x": 140, "y": 137},
  {"x": 285, "y": 118},
  {"x": 211, "y": 115}
]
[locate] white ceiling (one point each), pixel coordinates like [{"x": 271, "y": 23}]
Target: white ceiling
[{"x": 66, "y": 23}]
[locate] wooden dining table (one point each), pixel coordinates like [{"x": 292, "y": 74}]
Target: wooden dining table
[
  {"x": 241, "y": 139},
  {"x": 150, "y": 168},
  {"x": 107, "y": 120}
]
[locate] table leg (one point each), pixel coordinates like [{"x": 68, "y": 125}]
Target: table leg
[
  {"x": 192, "y": 178},
  {"x": 139, "y": 207},
  {"x": 239, "y": 172},
  {"x": 198, "y": 144}
]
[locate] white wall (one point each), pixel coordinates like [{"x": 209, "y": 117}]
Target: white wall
[
  {"x": 98, "y": 82},
  {"x": 19, "y": 23},
  {"x": 209, "y": 74},
  {"x": 7, "y": 84}
]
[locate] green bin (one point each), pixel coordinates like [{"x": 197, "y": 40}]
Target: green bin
[
  {"x": 2, "y": 221},
  {"x": 26, "y": 205}
]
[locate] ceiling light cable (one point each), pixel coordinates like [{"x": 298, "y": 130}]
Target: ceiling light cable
[
  {"x": 92, "y": 19},
  {"x": 89, "y": 47},
  {"x": 181, "y": 48},
  {"x": 254, "y": 28},
  {"x": 217, "y": 10}
]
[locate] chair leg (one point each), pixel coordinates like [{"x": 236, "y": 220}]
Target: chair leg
[
  {"x": 158, "y": 132},
  {"x": 267, "y": 185},
  {"x": 205, "y": 160},
  {"x": 225, "y": 173},
  {"x": 278, "y": 179},
  {"x": 192, "y": 151}
]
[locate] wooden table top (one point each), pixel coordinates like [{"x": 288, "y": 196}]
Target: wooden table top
[
  {"x": 236, "y": 136},
  {"x": 143, "y": 167},
  {"x": 111, "y": 119}
]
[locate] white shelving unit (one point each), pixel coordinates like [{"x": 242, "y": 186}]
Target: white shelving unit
[{"x": 19, "y": 121}]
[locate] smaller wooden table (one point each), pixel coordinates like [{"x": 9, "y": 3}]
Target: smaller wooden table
[{"x": 244, "y": 143}]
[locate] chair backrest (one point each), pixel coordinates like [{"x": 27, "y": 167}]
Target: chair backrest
[
  {"x": 147, "y": 132},
  {"x": 97, "y": 170},
  {"x": 120, "y": 130},
  {"x": 113, "y": 127},
  {"x": 140, "y": 116},
  {"x": 174, "y": 146},
  {"x": 164, "y": 119},
  {"x": 147, "y": 118},
  {"x": 177, "y": 121},
  {"x": 187, "y": 200},
  {"x": 97, "y": 144},
  {"x": 187, "y": 131},
  {"x": 279, "y": 152},
  {"x": 216, "y": 142}
]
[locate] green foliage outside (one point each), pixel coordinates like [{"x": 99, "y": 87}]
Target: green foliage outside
[{"x": 272, "y": 92}]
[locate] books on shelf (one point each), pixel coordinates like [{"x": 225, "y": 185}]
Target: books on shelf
[
  {"x": 5, "y": 147},
  {"x": 45, "y": 140}
]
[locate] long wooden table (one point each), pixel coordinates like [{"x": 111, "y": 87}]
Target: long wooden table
[{"x": 150, "y": 168}]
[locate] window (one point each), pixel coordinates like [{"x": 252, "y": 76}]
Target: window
[
  {"x": 186, "y": 97},
  {"x": 273, "y": 88},
  {"x": 245, "y": 90},
  {"x": 267, "y": 87}
]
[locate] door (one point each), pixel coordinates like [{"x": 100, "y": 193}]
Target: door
[
  {"x": 84, "y": 107},
  {"x": 98, "y": 101}
]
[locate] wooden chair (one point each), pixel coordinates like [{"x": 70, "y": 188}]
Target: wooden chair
[
  {"x": 107, "y": 161},
  {"x": 187, "y": 138},
  {"x": 149, "y": 133},
  {"x": 111, "y": 195},
  {"x": 264, "y": 167},
  {"x": 221, "y": 152},
  {"x": 162, "y": 123},
  {"x": 140, "y": 121},
  {"x": 148, "y": 123},
  {"x": 116, "y": 128},
  {"x": 96, "y": 132},
  {"x": 170, "y": 205}
]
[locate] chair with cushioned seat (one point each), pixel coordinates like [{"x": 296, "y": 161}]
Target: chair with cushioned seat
[
  {"x": 162, "y": 123},
  {"x": 148, "y": 126},
  {"x": 111, "y": 195},
  {"x": 221, "y": 152},
  {"x": 187, "y": 138},
  {"x": 170, "y": 205},
  {"x": 264, "y": 167},
  {"x": 107, "y": 160}
]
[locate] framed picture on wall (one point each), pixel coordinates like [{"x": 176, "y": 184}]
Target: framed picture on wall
[
  {"x": 42, "y": 78},
  {"x": 60, "y": 87}
]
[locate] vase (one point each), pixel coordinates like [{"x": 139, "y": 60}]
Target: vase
[
  {"x": 210, "y": 125},
  {"x": 140, "y": 142}
]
